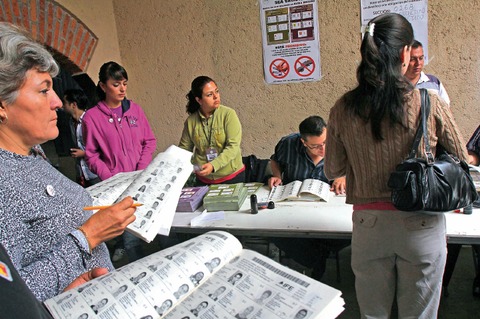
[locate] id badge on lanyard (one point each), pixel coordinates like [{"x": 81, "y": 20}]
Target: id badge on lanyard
[{"x": 211, "y": 154}]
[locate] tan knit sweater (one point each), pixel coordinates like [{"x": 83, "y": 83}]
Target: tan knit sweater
[{"x": 367, "y": 164}]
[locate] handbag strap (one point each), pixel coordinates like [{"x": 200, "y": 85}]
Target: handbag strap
[{"x": 422, "y": 127}]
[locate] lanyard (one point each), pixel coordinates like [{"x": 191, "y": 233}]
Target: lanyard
[{"x": 209, "y": 136}]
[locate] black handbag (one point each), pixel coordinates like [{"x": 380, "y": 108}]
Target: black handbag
[{"x": 436, "y": 184}]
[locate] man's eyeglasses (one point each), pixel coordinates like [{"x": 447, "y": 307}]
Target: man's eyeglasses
[{"x": 314, "y": 147}]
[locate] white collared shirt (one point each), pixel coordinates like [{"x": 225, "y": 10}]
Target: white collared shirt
[{"x": 424, "y": 82}]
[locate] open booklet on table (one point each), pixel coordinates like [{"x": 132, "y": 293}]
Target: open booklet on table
[
  {"x": 209, "y": 276},
  {"x": 308, "y": 190},
  {"x": 157, "y": 187}
]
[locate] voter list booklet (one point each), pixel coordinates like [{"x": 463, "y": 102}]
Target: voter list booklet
[
  {"x": 157, "y": 187},
  {"x": 209, "y": 276}
]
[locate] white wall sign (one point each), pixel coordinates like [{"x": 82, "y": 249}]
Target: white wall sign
[{"x": 416, "y": 12}]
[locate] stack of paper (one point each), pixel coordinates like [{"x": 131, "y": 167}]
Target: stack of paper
[
  {"x": 225, "y": 197},
  {"x": 191, "y": 198}
]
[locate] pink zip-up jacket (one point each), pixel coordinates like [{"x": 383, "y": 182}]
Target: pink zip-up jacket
[{"x": 113, "y": 146}]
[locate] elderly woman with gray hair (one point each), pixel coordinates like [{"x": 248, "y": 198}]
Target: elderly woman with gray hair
[{"x": 43, "y": 227}]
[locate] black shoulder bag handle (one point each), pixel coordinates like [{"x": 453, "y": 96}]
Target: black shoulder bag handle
[{"x": 422, "y": 128}]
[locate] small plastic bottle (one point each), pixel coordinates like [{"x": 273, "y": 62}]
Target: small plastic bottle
[{"x": 253, "y": 204}]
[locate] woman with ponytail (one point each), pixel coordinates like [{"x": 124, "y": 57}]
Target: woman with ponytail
[
  {"x": 214, "y": 133},
  {"x": 395, "y": 254}
]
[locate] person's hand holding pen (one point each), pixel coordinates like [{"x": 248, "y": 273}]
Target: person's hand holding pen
[
  {"x": 274, "y": 181},
  {"x": 276, "y": 178},
  {"x": 109, "y": 223}
]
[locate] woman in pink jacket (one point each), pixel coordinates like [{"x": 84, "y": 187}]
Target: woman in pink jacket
[{"x": 118, "y": 137}]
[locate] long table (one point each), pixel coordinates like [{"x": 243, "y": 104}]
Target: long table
[{"x": 332, "y": 219}]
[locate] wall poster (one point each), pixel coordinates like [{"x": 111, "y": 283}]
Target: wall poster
[{"x": 291, "y": 44}]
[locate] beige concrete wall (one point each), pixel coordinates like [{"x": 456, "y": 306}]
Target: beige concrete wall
[
  {"x": 165, "y": 44},
  {"x": 99, "y": 17}
]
